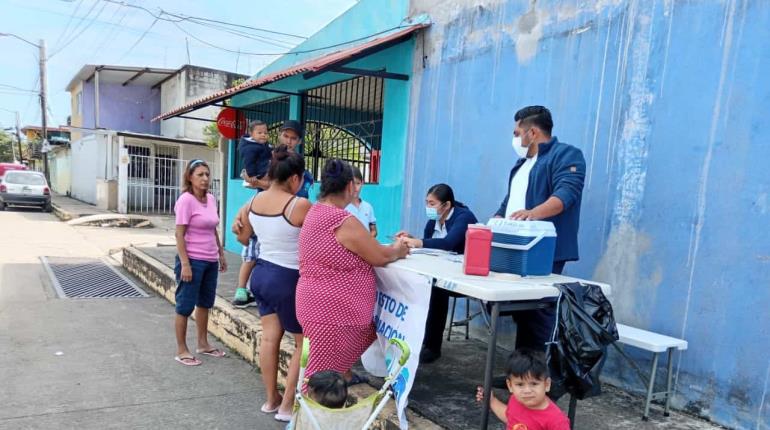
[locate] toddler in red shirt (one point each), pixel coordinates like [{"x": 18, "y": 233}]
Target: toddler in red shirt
[{"x": 529, "y": 408}]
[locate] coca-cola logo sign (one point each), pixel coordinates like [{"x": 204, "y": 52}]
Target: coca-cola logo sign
[{"x": 231, "y": 123}]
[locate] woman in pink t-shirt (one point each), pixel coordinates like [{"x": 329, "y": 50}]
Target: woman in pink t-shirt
[{"x": 200, "y": 257}]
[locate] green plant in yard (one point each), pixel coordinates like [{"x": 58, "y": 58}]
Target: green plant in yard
[
  {"x": 335, "y": 142},
  {"x": 211, "y": 135},
  {"x": 6, "y": 147}
]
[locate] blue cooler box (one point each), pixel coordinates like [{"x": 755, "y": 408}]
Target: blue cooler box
[{"x": 524, "y": 248}]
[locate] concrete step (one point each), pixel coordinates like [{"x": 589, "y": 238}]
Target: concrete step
[{"x": 237, "y": 328}]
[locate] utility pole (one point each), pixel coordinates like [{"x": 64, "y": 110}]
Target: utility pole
[
  {"x": 18, "y": 138},
  {"x": 43, "y": 104},
  {"x": 43, "y": 86}
]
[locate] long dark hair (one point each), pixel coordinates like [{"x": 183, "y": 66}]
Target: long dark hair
[
  {"x": 188, "y": 172},
  {"x": 285, "y": 164},
  {"x": 337, "y": 174},
  {"x": 444, "y": 193}
]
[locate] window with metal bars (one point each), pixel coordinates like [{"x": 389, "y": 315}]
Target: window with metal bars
[
  {"x": 273, "y": 113},
  {"x": 140, "y": 165},
  {"x": 344, "y": 120}
]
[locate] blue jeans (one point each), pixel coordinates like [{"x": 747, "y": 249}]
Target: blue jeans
[{"x": 201, "y": 290}]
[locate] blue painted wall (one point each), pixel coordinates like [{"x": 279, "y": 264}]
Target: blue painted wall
[
  {"x": 365, "y": 18},
  {"x": 667, "y": 100},
  {"x": 128, "y": 108}
]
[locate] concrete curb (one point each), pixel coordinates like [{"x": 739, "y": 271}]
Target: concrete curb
[
  {"x": 240, "y": 330},
  {"x": 61, "y": 213}
]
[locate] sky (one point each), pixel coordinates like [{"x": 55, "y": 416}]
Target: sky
[{"x": 79, "y": 32}]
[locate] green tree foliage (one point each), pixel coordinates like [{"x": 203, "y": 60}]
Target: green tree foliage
[
  {"x": 7, "y": 143},
  {"x": 211, "y": 135}
]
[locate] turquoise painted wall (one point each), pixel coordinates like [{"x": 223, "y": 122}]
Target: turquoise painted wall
[{"x": 365, "y": 18}]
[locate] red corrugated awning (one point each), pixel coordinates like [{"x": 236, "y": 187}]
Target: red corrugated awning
[{"x": 312, "y": 66}]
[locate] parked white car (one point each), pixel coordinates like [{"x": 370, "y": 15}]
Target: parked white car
[{"x": 25, "y": 188}]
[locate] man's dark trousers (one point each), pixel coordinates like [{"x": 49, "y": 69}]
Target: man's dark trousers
[{"x": 535, "y": 327}]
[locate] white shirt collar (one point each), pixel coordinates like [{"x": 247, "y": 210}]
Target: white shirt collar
[{"x": 438, "y": 226}]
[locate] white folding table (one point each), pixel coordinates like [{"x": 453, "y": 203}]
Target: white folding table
[{"x": 500, "y": 290}]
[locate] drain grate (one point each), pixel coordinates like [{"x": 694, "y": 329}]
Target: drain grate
[{"x": 88, "y": 278}]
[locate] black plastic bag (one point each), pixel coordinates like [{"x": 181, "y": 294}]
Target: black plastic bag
[{"x": 585, "y": 326}]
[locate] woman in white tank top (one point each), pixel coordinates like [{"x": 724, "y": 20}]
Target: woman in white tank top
[{"x": 275, "y": 216}]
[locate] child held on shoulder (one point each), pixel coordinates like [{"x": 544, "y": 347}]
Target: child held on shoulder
[
  {"x": 529, "y": 407},
  {"x": 255, "y": 151}
]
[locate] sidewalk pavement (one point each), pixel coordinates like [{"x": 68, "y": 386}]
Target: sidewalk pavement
[
  {"x": 103, "y": 363},
  {"x": 444, "y": 392},
  {"x": 240, "y": 329},
  {"x": 67, "y": 209}
]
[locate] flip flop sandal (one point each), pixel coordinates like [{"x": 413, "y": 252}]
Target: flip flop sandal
[
  {"x": 285, "y": 418},
  {"x": 188, "y": 361},
  {"x": 215, "y": 352},
  {"x": 357, "y": 379},
  {"x": 264, "y": 409}
]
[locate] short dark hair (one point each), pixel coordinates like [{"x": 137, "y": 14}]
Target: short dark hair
[
  {"x": 328, "y": 388},
  {"x": 254, "y": 124},
  {"x": 525, "y": 362},
  {"x": 291, "y": 124},
  {"x": 285, "y": 164},
  {"x": 444, "y": 193},
  {"x": 337, "y": 174},
  {"x": 357, "y": 173},
  {"x": 535, "y": 116}
]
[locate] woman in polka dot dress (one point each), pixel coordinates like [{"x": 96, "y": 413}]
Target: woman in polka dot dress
[{"x": 337, "y": 288}]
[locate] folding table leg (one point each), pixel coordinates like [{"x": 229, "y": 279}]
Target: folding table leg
[
  {"x": 491, "y": 349},
  {"x": 572, "y": 410},
  {"x": 670, "y": 378},
  {"x": 467, "y": 318},
  {"x": 451, "y": 319},
  {"x": 650, "y": 387}
]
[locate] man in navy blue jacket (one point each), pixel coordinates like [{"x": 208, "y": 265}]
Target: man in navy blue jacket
[{"x": 546, "y": 183}]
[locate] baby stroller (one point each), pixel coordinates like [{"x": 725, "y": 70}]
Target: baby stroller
[{"x": 309, "y": 415}]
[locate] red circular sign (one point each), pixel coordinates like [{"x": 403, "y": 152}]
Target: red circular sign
[{"x": 232, "y": 123}]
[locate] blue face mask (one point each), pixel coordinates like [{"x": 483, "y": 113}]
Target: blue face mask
[{"x": 431, "y": 213}]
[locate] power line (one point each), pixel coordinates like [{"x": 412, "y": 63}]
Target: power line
[
  {"x": 12, "y": 92},
  {"x": 75, "y": 29},
  {"x": 263, "y": 39},
  {"x": 108, "y": 38},
  {"x": 90, "y": 23},
  {"x": 138, "y": 40},
  {"x": 166, "y": 16},
  {"x": 17, "y": 88},
  {"x": 176, "y": 24},
  {"x": 186, "y": 18},
  {"x": 69, "y": 21},
  {"x": 305, "y": 51}
]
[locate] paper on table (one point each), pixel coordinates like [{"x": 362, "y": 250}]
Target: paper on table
[{"x": 431, "y": 251}]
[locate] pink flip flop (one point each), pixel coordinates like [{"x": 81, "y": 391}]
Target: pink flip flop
[
  {"x": 188, "y": 361},
  {"x": 215, "y": 352}
]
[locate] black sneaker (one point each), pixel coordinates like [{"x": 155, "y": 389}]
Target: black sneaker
[{"x": 243, "y": 299}]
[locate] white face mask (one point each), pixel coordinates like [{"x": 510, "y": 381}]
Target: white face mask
[{"x": 521, "y": 151}]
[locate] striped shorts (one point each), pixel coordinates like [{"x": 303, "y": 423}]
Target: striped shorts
[{"x": 250, "y": 252}]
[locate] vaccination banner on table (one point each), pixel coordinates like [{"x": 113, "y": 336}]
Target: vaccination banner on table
[{"x": 400, "y": 312}]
